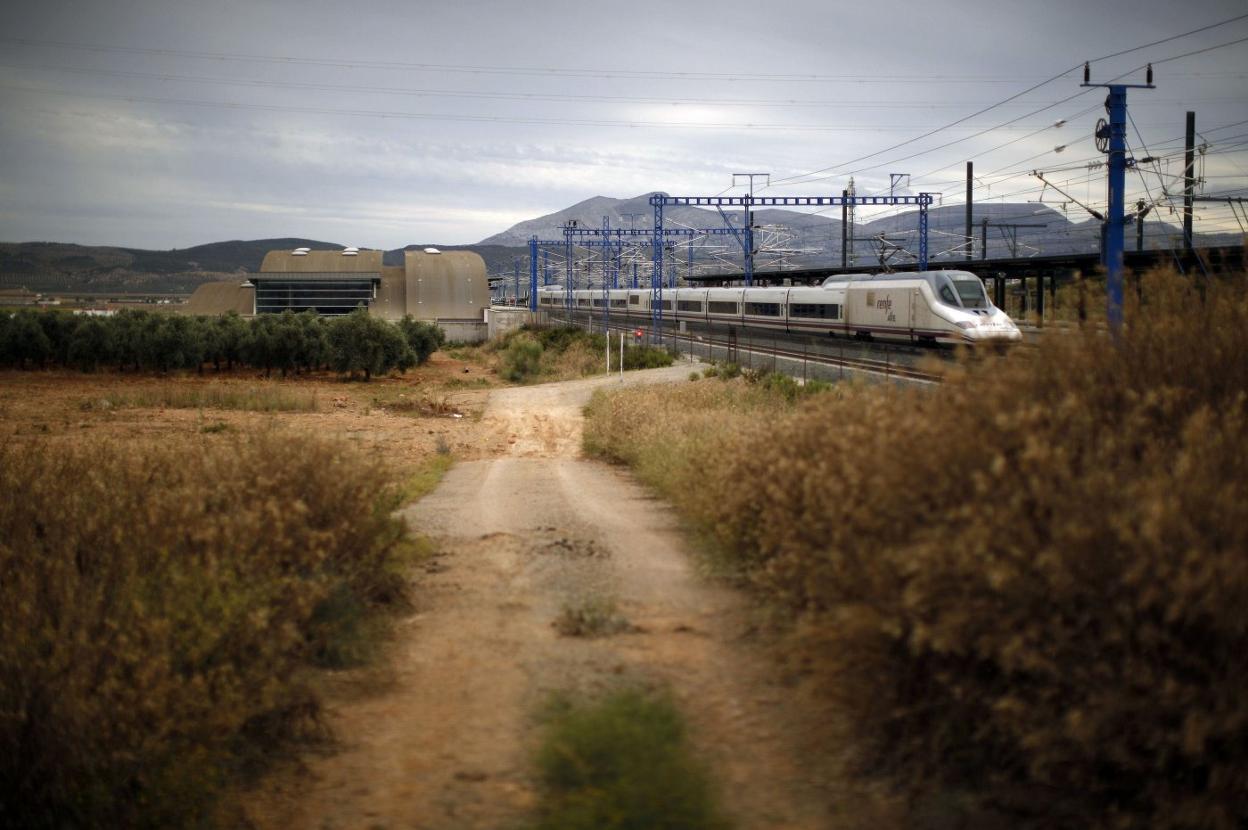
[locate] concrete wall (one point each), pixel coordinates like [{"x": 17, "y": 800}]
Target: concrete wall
[
  {"x": 464, "y": 331},
  {"x": 391, "y": 302},
  {"x": 503, "y": 319}
]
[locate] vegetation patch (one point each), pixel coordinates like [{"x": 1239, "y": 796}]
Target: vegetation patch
[
  {"x": 1024, "y": 587},
  {"x": 563, "y": 353},
  {"x": 621, "y": 763},
  {"x": 162, "y": 607},
  {"x": 357, "y": 344},
  {"x": 242, "y": 397},
  {"x": 593, "y": 616},
  {"x": 428, "y": 475}
]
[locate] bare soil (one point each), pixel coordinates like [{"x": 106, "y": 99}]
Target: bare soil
[
  {"x": 402, "y": 417},
  {"x": 442, "y": 736}
]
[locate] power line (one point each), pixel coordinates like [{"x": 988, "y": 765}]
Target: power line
[
  {"x": 505, "y": 96},
  {"x": 498, "y": 70},
  {"x": 425, "y": 116},
  {"x": 807, "y": 176}
]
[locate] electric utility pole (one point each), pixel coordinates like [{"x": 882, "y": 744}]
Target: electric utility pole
[
  {"x": 1111, "y": 138},
  {"x": 1189, "y": 179},
  {"x": 970, "y": 233},
  {"x": 749, "y": 221}
]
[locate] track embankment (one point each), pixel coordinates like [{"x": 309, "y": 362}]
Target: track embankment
[{"x": 525, "y": 529}]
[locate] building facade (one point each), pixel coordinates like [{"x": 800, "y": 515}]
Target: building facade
[{"x": 447, "y": 287}]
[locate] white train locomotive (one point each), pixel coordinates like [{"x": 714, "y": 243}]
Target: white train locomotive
[{"x": 926, "y": 307}]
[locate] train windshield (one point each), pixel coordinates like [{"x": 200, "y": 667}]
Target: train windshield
[{"x": 971, "y": 293}]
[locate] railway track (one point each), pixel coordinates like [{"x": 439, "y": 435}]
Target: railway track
[{"x": 759, "y": 352}]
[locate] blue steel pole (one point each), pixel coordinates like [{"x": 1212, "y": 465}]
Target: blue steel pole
[
  {"x": 567, "y": 277},
  {"x": 515, "y": 281},
  {"x": 606, "y": 282},
  {"x": 656, "y": 276},
  {"x": 923, "y": 203},
  {"x": 545, "y": 267},
  {"x": 1115, "y": 222},
  {"x": 533, "y": 274},
  {"x": 749, "y": 239}
]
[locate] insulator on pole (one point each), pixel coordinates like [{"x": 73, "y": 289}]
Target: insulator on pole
[
  {"x": 1087, "y": 72},
  {"x": 1148, "y": 78}
]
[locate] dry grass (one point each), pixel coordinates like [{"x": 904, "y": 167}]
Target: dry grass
[
  {"x": 251, "y": 397},
  {"x": 162, "y": 604},
  {"x": 1025, "y": 588}
]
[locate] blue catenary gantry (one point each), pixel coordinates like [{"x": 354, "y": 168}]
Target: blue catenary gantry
[{"x": 659, "y": 200}]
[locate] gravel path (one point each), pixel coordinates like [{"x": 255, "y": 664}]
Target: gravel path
[{"x": 526, "y": 530}]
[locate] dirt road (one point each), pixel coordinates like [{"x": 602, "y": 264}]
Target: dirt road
[{"x": 524, "y": 532}]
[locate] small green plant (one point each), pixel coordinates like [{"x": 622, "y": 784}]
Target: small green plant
[
  {"x": 621, "y": 763},
  {"x": 695, "y": 376},
  {"x": 215, "y": 428},
  {"x": 426, "y": 477},
  {"x": 646, "y": 357},
  {"x": 522, "y": 359},
  {"x": 590, "y": 617}
]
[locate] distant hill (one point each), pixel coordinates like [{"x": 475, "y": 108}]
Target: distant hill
[
  {"x": 801, "y": 239},
  {"x": 55, "y": 266},
  {"x": 791, "y": 238}
]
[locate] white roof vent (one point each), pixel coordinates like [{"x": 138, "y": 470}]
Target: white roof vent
[
  {"x": 349, "y": 252},
  {"x": 299, "y": 252},
  {"x": 304, "y": 250},
  {"x": 432, "y": 251}
]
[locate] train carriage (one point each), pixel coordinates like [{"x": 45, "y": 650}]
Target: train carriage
[{"x": 926, "y": 307}]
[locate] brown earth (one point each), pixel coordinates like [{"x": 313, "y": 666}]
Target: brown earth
[
  {"x": 443, "y": 737},
  {"x": 401, "y": 417}
]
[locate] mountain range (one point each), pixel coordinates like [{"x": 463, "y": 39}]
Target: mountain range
[{"x": 785, "y": 238}]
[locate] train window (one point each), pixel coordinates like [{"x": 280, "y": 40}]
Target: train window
[
  {"x": 582, "y": 301},
  {"x": 971, "y": 292},
  {"x": 618, "y": 303},
  {"x": 688, "y": 305},
  {"x": 822, "y": 311},
  {"x": 763, "y": 309},
  {"x": 720, "y": 307},
  {"x": 946, "y": 294},
  {"x": 666, "y": 305},
  {"x": 634, "y": 299},
  {"x": 599, "y": 303}
]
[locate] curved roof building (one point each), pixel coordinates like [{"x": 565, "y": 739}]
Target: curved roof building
[{"x": 430, "y": 285}]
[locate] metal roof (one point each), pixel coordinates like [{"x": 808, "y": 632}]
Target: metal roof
[{"x": 315, "y": 276}]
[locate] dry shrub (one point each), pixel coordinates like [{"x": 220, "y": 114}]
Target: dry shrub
[
  {"x": 1028, "y": 584},
  {"x": 250, "y": 397},
  {"x": 159, "y": 606}
]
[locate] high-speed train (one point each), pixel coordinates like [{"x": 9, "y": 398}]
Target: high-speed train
[{"x": 937, "y": 307}]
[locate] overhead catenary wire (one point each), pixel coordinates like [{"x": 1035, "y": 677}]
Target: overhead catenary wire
[
  {"x": 482, "y": 69},
  {"x": 1063, "y": 73}
]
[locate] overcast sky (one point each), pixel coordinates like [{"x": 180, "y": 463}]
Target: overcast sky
[{"x": 170, "y": 123}]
